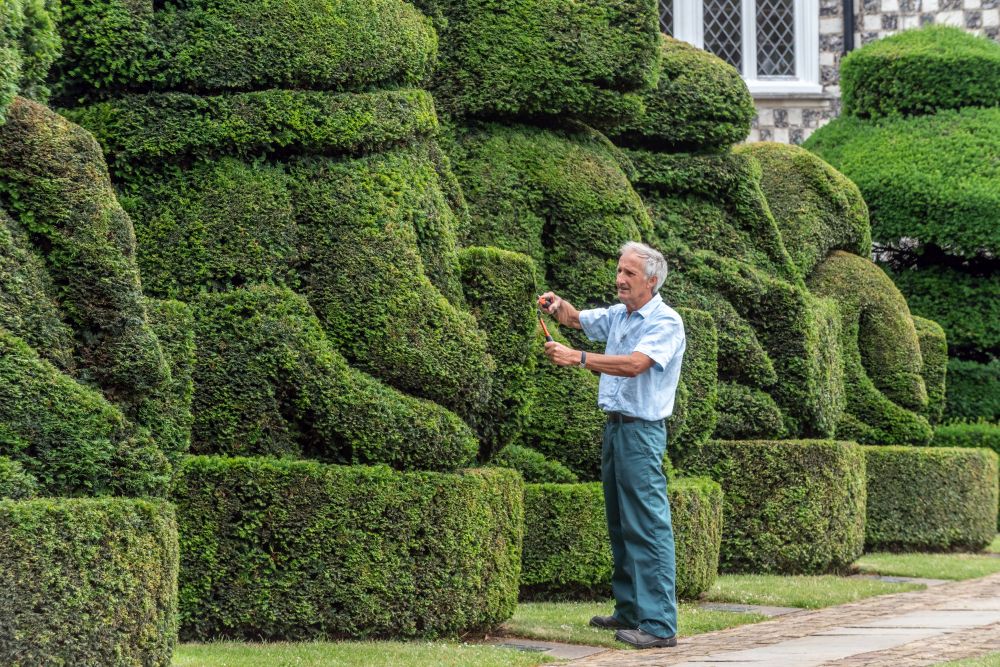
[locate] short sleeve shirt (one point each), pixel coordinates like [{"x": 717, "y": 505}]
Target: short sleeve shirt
[{"x": 656, "y": 330}]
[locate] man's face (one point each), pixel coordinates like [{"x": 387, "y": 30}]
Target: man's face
[{"x": 634, "y": 289}]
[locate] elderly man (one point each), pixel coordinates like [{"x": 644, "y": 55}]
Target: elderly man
[{"x": 639, "y": 371}]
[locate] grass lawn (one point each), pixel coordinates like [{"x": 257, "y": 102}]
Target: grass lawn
[
  {"x": 929, "y": 566},
  {"x": 351, "y": 654},
  {"x": 568, "y": 622},
  {"x": 988, "y": 660},
  {"x": 994, "y": 547},
  {"x": 807, "y": 592}
]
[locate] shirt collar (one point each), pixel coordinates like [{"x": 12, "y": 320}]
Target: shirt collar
[{"x": 650, "y": 305}]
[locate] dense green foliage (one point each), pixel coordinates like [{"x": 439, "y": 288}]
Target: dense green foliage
[
  {"x": 791, "y": 507},
  {"x": 817, "y": 208},
  {"x": 298, "y": 549},
  {"x": 930, "y": 498},
  {"x": 558, "y": 196},
  {"x": 747, "y": 413},
  {"x": 934, "y": 371},
  {"x": 566, "y": 550},
  {"x": 28, "y": 45},
  {"x": 973, "y": 390},
  {"x": 700, "y": 102},
  {"x": 542, "y": 58},
  {"x": 148, "y": 128},
  {"x": 269, "y": 382},
  {"x": 533, "y": 466},
  {"x": 921, "y": 72},
  {"x": 240, "y": 45},
  {"x": 695, "y": 415},
  {"x": 88, "y": 582},
  {"x": 15, "y": 482},
  {"x": 886, "y": 394},
  {"x": 968, "y": 434},
  {"x": 930, "y": 178}
]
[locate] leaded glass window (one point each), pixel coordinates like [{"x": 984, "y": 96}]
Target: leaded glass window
[
  {"x": 667, "y": 16},
  {"x": 775, "y": 38},
  {"x": 723, "y": 30}
]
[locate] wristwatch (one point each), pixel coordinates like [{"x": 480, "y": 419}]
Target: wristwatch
[{"x": 583, "y": 358}]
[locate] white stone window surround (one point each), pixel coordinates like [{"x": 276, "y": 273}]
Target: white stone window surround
[{"x": 688, "y": 20}]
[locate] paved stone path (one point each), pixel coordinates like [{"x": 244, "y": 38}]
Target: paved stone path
[{"x": 946, "y": 622}]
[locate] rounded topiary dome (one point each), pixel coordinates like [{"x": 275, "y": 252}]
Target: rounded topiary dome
[{"x": 921, "y": 72}]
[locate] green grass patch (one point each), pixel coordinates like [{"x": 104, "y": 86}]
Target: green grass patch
[
  {"x": 994, "y": 546},
  {"x": 351, "y": 654},
  {"x": 809, "y": 592},
  {"x": 988, "y": 660},
  {"x": 568, "y": 622},
  {"x": 930, "y": 566}
]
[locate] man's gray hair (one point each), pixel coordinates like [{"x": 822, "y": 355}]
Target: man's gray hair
[{"x": 656, "y": 264}]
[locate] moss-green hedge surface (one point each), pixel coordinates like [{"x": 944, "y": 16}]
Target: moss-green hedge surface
[
  {"x": 532, "y": 58},
  {"x": 534, "y": 466},
  {"x": 278, "y": 549},
  {"x": 817, "y": 208},
  {"x": 932, "y": 179},
  {"x": 699, "y": 103},
  {"x": 267, "y": 381},
  {"x": 886, "y": 394},
  {"x": 695, "y": 408},
  {"x": 970, "y": 434},
  {"x": 566, "y": 548},
  {"x": 790, "y": 507},
  {"x": 930, "y": 498},
  {"x": 934, "y": 371},
  {"x": 973, "y": 390},
  {"x": 28, "y": 45},
  {"x": 88, "y": 582},
  {"x": 921, "y": 72},
  {"x": 15, "y": 482},
  {"x": 116, "y": 45}
]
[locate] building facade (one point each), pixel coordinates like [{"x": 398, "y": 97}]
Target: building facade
[{"x": 789, "y": 51}]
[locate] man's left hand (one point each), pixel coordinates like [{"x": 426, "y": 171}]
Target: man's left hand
[{"x": 562, "y": 355}]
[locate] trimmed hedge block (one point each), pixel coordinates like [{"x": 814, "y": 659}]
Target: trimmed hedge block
[
  {"x": 791, "y": 506},
  {"x": 930, "y": 498},
  {"x": 88, "y": 582},
  {"x": 973, "y": 390},
  {"x": 277, "y": 549},
  {"x": 931, "y": 179},
  {"x": 921, "y": 72},
  {"x": 566, "y": 548},
  {"x": 700, "y": 102},
  {"x": 976, "y": 434}
]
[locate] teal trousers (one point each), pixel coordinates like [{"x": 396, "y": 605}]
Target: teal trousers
[{"x": 642, "y": 536}]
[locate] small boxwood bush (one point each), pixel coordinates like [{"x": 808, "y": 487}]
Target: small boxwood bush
[
  {"x": 973, "y": 390},
  {"x": 277, "y": 549},
  {"x": 700, "y": 102},
  {"x": 566, "y": 548},
  {"x": 930, "y": 178},
  {"x": 791, "y": 507},
  {"x": 88, "y": 582},
  {"x": 930, "y": 498},
  {"x": 921, "y": 72}
]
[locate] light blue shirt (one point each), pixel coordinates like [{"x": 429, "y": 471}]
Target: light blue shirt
[{"x": 657, "y": 331}]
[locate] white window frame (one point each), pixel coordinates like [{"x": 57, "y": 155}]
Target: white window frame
[{"x": 689, "y": 25}]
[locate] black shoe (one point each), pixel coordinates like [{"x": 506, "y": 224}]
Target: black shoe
[
  {"x": 642, "y": 639},
  {"x": 608, "y": 623}
]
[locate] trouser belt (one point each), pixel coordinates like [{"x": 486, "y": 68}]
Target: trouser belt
[{"x": 619, "y": 418}]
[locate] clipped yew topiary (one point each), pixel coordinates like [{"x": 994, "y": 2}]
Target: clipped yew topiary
[
  {"x": 566, "y": 548},
  {"x": 930, "y": 498},
  {"x": 972, "y": 390},
  {"x": 921, "y": 72},
  {"x": 695, "y": 415},
  {"x": 28, "y": 44},
  {"x": 533, "y": 466},
  {"x": 88, "y": 582},
  {"x": 300, "y": 550},
  {"x": 15, "y": 482},
  {"x": 699, "y": 103},
  {"x": 791, "y": 507},
  {"x": 971, "y": 434},
  {"x": 934, "y": 355}
]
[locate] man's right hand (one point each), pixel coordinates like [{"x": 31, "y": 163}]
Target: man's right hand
[
  {"x": 560, "y": 308},
  {"x": 549, "y": 302}
]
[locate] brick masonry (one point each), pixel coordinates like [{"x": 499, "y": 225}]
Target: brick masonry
[{"x": 792, "y": 119}]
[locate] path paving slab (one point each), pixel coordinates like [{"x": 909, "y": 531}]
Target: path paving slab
[
  {"x": 902, "y": 580},
  {"x": 952, "y": 620},
  {"x": 763, "y": 610},
  {"x": 554, "y": 649}
]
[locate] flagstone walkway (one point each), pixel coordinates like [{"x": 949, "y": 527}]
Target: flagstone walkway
[{"x": 945, "y": 622}]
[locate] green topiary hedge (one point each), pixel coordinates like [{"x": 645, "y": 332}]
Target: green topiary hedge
[
  {"x": 268, "y": 382},
  {"x": 88, "y": 582},
  {"x": 791, "y": 507},
  {"x": 921, "y": 72},
  {"x": 817, "y": 208},
  {"x": 15, "y": 482},
  {"x": 934, "y": 354},
  {"x": 746, "y": 412},
  {"x": 277, "y": 549},
  {"x": 885, "y": 391},
  {"x": 929, "y": 179},
  {"x": 930, "y": 499},
  {"x": 530, "y": 58},
  {"x": 533, "y": 466},
  {"x": 973, "y": 390},
  {"x": 700, "y": 102},
  {"x": 566, "y": 548},
  {"x": 695, "y": 414},
  {"x": 115, "y": 45},
  {"x": 968, "y": 434},
  {"x": 28, "y": 45}
]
